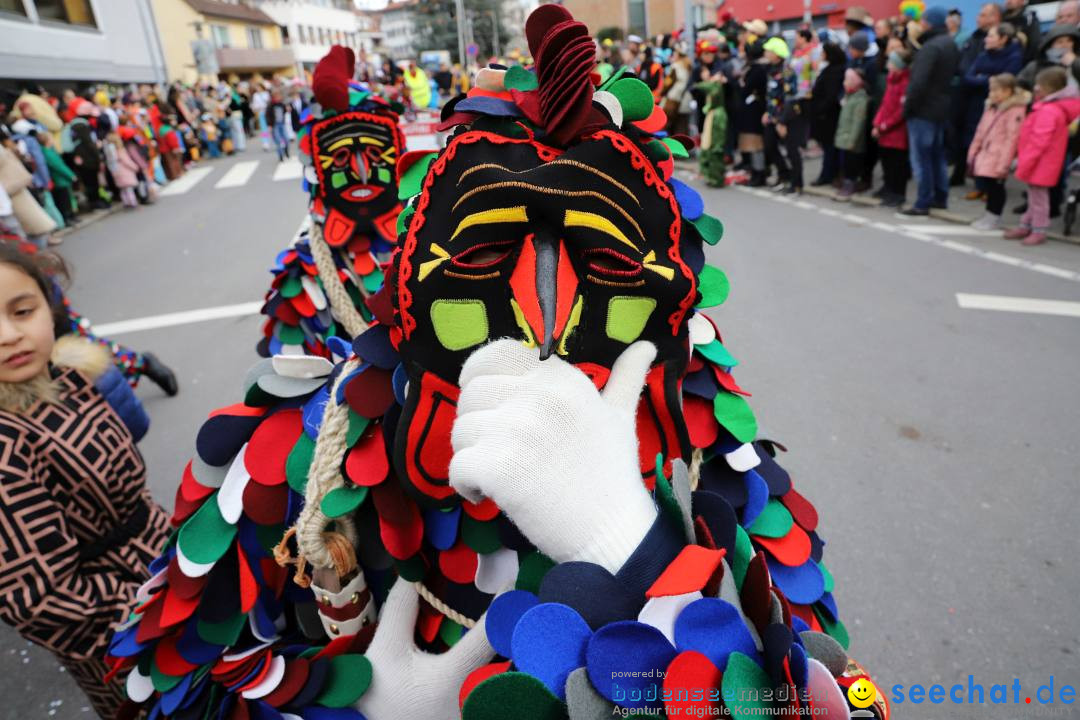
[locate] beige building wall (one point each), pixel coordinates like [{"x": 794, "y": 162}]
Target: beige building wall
[
  {"x": 176, "y": 28},
  {"x": 661, "y": 16},
  {"x": 599, "y": 14}
]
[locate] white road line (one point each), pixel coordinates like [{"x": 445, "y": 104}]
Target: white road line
[
  {"x": 186, "y": 181},
  {"x": 238, "y": 174},
  {"x": 950, "y": 230},
  {"x": 926, "y": 233},
  {"x": 1005, "y": 303},
  {"x": 154, "y": 322},
  {"x": 289, "y": 170}
]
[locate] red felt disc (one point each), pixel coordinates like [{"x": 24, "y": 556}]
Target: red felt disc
[
  {"x": 691, "y": 671},
  {"x": 700, "y": 421},
  {"x": 183, "y": 508},
  {"x": 303, "y": 305},
  {"x": 428, "y": 622},
  {"x": 727, "y": 381},
  {"x": 240, "y": 710},
  {"x": 648, "y": 440},
  {"x": 478, "y": 676},
  {"x": 366, "y": 463},
  {"x": 792, "y": 550},
  {"x": 150, "y": 627},
  {"x": 292, "y": 682},
  {"x": 177, "y": 609},
  {"x": 483, "y": 511},
  {"x": 688, "y": 572},
  {"x": 371, "y": 393},
  {"x": 190, "y": 488},
  {"x": 400, "y": 525},
  {"x": 806, "y": 614},
  {"x": 364, "y": 264},
  {"x": 181, "y": 584},
  {"x": 696, "y": 363},
  {"x": 168, "y": 658},
  {"x": 249, "y": 588},
  {"x": 459, "y": 563},
  {"x": 265, "y": 504},
  {"x": 270, "y": 446},
  {"x": 274, "y": 575},
  {"x": 238, "y": 410},
  {"x": 800, "y": 508},
  {"x": 755, "y": 597}
]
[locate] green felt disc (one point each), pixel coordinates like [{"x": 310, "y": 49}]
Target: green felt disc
[
  {"x": 734, "y": 413},
  {"x": 343, "y": 500},
  {"x": 348, "y": 679},
  {"x": 357, "y": 425},
  {"x": 657, "y": 150},
  {"x": 744, "y": 550},
  {"x": 531, "y": 571},
  {"x": 206, "y": 536},
  {"x": 483, "y": 537},
  {"x": 412, "y": 569},
  {"x": 714, "y": 287},
  {"x": 829, "y": 582},
  {"x": 518, "y": 78},
  {"x": 291, "y": 287},
  {"x": 710, "y": 229},
  {"x": 373, "y": 281},
  {"x": 512, "y": 694},
  {"x": 449, "y": 631},
  {"x": 677, "y": 148},
  {"x": 311, "y": 652},
  {"x": 627, "y": 316},
  {"x": 413, "y": 178},
  {"x": 745, "y": 686},
  {"x": 223, "y": 633},
  {"x": 289, "y": 334},
  {"x": 459, "y": 323},
  {"x": 635, "y": 97},
  {"x": 298, "y": 463},
  {"x": 665, "y": 495},
  {"x": 773, "y": 522},
  {"x": 716, "y": 352},
  {"x": 835, "y": 630}
]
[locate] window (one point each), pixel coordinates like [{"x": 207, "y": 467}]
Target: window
[
  {"x": 254, "y": 38},
  {"x": 13, "y": 6},
  {"x": 72, "y": 12},
  {"x": 220, "y": 36}
]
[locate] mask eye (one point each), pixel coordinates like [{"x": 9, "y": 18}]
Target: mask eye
[
  {"x": 484, "y": 255},
  {"x": 612, "y": 265},
  {"x": 341, "y": 156}
]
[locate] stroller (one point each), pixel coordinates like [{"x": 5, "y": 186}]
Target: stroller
[{"x": 1072, "y": 196}]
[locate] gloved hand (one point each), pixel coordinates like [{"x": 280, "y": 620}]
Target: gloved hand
[
  {"x": 408, "y": 683},
  {"x": 558, "y": 457}
]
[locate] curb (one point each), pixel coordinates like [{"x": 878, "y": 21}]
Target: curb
[
  {"x": 946, "y": 215},
  {"x": 87, "y": 220}
]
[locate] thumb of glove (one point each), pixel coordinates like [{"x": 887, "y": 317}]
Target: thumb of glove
[{"x": 628, "y": 376}]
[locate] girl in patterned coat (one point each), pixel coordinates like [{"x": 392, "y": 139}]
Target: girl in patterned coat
[{"x": 78, "y": 527}]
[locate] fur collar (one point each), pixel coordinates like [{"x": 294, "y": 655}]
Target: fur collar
[
  {"x": 1019, "y": 97},
  {"x": 70, "y": 351}
]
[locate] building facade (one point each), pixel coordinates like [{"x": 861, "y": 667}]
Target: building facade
[
  {"x": 313, "y": 26},
  {"x": 206, "y": 39},
  {"x": 78, "y": 41},
  {"x": 397, "y": 24}
]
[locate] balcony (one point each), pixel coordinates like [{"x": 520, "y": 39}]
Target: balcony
[{"x": 249, "y": 59}]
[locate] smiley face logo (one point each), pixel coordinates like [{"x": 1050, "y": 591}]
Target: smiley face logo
[{"x": 862, "y": 693}]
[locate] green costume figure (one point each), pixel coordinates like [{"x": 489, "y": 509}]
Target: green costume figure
[{"x": 713, "y": 133}]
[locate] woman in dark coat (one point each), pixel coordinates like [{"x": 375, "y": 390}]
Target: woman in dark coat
[
  {"x": 825, "y": 109},
  {"x": 749, "y": 131}
]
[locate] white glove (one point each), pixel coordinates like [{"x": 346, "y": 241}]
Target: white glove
[
  {"x": 408, "y": 683},
  {"x": 558, "y": 457}
]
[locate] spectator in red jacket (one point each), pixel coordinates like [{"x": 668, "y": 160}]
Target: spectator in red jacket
[{"x": 890, "y": 130}]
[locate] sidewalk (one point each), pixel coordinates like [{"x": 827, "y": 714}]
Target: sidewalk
[{"x": 960, "y": 211}]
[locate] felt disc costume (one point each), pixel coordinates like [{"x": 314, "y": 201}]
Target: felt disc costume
[
  {"x": 350, "y": 143},
  {"x": 551, "y": 218}
]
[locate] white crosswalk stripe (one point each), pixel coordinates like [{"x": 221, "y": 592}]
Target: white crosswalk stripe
[
  {"x": 186, "y": 181},
  {"x": 238, "y": 174},
  {"x": 288, "y": 170},
  {"x": 1004, "y": 303}
]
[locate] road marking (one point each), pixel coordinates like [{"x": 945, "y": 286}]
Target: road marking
[
  {"x": 1005, "y": 303},
  {"x": 289, "y": 170},
  {"x": 238, "y": 174},
  {"x": 926, "y": 233},
  {"x": 155, "y": 322},
  {"x": 949, "y": 230},
  {"x": 186, "y": 181},
  {"x": 422, "y": 142}
]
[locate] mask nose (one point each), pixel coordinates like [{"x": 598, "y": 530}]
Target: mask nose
[
  {"x": 544, "y": 286},
  {"x": 361, "y": 166}
]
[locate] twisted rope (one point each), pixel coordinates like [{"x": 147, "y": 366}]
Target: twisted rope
[
  {"x": 341, "y": 302},
  {"x": 314, "y": 543},
  {"x": 443, "y": 608},
  {"x": 695, "y": 467}
]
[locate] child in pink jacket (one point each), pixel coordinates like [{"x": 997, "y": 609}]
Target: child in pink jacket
[
  {"x": 1042, "y": 154},
  {"x": 994, "y": 147}
]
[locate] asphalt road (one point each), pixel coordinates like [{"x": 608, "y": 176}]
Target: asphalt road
[{"x": 938, "y": 443}]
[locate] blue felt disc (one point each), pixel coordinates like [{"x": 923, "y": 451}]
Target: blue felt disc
[
  {"x": 625, "y": 663},
  {"x": 803, "y": 584},
  {"x": 714, "y": 628},
  {"x": 549, "y": 643},
  {"x": 503, "y": 616}
]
